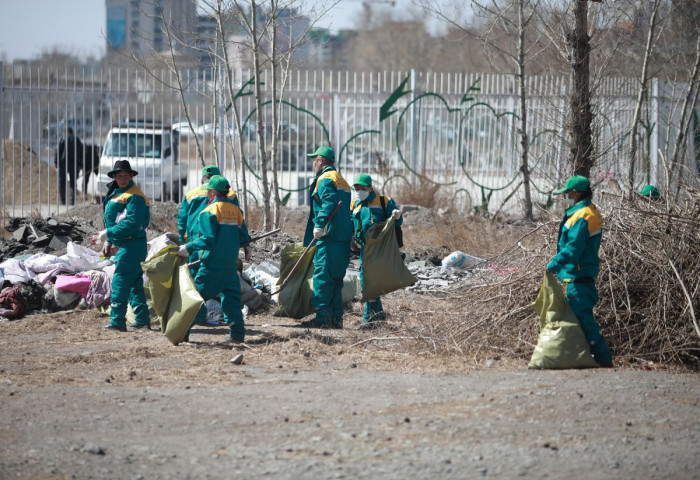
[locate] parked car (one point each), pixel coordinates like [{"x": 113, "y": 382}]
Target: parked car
[
  {"x": 152, "y": 149},
  {"x": 183, "y": 128}
]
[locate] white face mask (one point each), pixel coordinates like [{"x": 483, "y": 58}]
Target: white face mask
[
  {"x": 569, "y": 202},
  {"x": 362, "y": 195}
]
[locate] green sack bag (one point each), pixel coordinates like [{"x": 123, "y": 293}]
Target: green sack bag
[
  {"x": 294, "y": 299},
  {"x": 561, "y": 343},
  {"x": 184, "y": 304},
  {"x": 159, "y": 270},
  {"x": 383, "y": 270}
]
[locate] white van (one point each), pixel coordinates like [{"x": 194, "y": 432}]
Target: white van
[{"x": 152, "y": 150}]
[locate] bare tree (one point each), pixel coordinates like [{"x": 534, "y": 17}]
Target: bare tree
[{"x": 514, "y": 19}]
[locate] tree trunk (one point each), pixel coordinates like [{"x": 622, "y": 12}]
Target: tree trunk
[
  {"x": 259, "y": 118},
  {"x": 641, "y": 98},
  {"x": 524, "y": 138},
  {"x": 274, "y": 150},
  {"x": 243, "y": 196},
  {"x": 580, "y": 103}
]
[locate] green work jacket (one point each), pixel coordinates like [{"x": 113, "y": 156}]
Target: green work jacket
[{"x": 127, "y": 214}]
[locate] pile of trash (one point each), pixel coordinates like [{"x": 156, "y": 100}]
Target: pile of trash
[
  {"x": 38, "y": 235},
  {"x": 435, "y": 277}
]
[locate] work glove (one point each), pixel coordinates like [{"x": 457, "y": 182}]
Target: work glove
[
  {"x": 354, "y": 246},
  {"x": 182, "y": 251},
  {"x": 318, "y": 232},
  {"x": 98, "y": 237},
  {"x": 248, "y": 252},
  {"x": 396, "y": 214},
  {"x": 107, "y": 250}
]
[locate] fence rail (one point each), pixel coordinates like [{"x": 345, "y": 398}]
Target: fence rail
[{"x": 459, "y": 131}]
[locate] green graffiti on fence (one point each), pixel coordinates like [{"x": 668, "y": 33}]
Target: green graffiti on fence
[{"x": 468, "y": 105}]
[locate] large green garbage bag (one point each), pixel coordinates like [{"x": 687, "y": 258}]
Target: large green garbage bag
[
  {"x": 159, "y": 270},
  {"x": 185, "y": 302},
  {"x": 561, "y": 343},
  {"x": 172, "y": 291},
  {"x": 295, "y": 298},
  {"x": 383, "y": 270}
]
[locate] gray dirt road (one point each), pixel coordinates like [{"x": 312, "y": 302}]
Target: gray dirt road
[{"x": 337, "y": 420}]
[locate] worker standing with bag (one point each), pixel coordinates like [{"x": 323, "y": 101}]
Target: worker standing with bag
[
  {"x": 577, "y": 263},
  {"x": 127, "y": 214},
  {"x": 332, "y": 254},
  {"x": 222, "y": 229},
  {"x": 368, "y": 209},
  {"x": 192, "y": 205}
]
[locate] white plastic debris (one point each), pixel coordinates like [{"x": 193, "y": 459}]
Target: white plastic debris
[{"x": 459, "y": 259}]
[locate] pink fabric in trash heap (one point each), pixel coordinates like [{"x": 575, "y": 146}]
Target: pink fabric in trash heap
[{"x": 73, "y": 283}]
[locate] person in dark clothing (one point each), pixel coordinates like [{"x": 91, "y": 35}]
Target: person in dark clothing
[{"x": 68, "y": 160}]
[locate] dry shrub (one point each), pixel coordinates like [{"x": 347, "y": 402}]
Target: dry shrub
[
  {"x": 420, "y": 191},
  {"x": 649, "y": 285}
]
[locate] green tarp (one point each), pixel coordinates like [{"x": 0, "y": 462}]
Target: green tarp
[
  {"x": 295, "y": 298},
  {"x": 561, "y": 343},
  {"x": 383, "y": 270},
  {"x": 172, "y": 291}
]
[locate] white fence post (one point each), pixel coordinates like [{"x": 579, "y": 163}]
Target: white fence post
[{"x": 2, "y": 142}]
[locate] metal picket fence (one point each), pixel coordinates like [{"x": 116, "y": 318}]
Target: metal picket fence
[{"x": 458, "y": 131}]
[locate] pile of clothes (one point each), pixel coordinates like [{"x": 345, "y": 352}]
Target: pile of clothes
[
  {"x": 80, "y": 278},
  {"x": 47, "y": 282}
]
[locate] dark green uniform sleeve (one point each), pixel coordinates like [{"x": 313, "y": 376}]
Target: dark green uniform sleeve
[
  {"x": 574, "y": 247},
  {"x": 208, "y": 228},
  {"x": 328, "y": 195},
  {"x": 182, "y": 219},
  {"x": 390, "y": 207}
]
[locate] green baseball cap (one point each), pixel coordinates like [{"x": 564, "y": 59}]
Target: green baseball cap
[
  {"x": 324, "y": 151},
  {"x": 218, "y": 183},
  {"x": 363, "y": 179},
  {"x": 650, "y": 191},
  {"x": 577, "y": 182},
  {"x": 210, "y": 170}
]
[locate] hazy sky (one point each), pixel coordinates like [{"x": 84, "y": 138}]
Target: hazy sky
[{"x": 30, "y": 27}]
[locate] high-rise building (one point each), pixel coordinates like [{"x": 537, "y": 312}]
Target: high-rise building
[{"x": 139, "y": 26}]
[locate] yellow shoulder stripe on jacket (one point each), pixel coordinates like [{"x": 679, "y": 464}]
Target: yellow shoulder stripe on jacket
[
  {"x": 134, "y": 190},
  {"x": 226, "y": 213},
  {"x": 336, "y": 178},
  {"x": 591, "y": 215},
  {"x": 196, "y": 192}
]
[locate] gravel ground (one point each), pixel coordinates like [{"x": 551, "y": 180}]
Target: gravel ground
[{"x": 81, "y": 403}]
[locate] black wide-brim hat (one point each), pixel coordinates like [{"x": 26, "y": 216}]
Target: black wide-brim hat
[{"x": 121, "y": 166}]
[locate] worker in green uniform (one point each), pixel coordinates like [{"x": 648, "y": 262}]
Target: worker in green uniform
[
  {"x": 192, "y": 205},
  {"x": 221, "y": 231},
  {"x": 368, "y": 209},
  {"x": 576, "y": 262},
  {"x": 332, "y": 239},
  {"x": 126, "y": 217}
]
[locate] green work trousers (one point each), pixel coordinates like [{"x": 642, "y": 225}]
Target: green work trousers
[
  {"x": 212, "y": 282},
  {"x": 582, "y": 297},
  {"x": 127, "y": 283},
  {"x": 330, "y": 263}
]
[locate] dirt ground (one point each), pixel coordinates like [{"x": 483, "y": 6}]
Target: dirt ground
[{"x": 78, "y": 402}]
